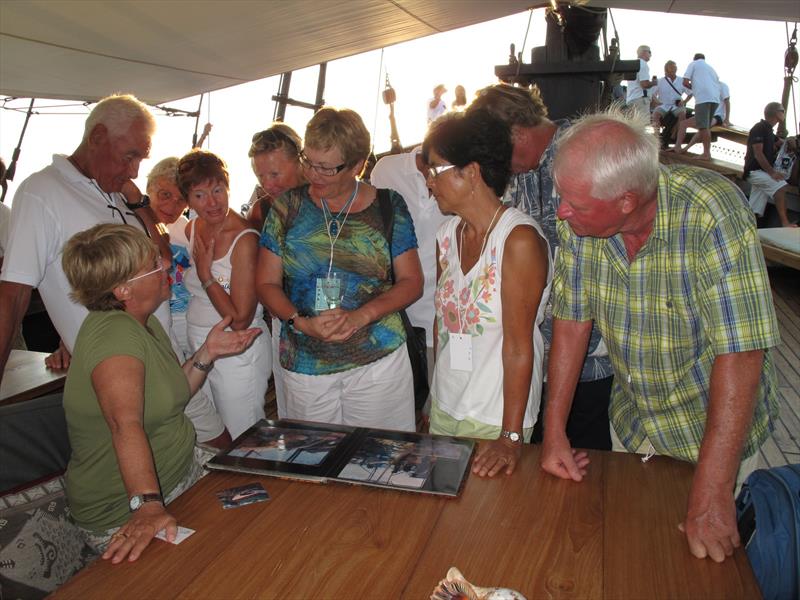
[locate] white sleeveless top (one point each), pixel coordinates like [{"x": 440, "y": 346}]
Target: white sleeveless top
[
  {"x": 201, "y": 311},
  {"x": 476, "y": 297}
]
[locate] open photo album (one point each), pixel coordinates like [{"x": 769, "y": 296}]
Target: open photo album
[{"x": 320, "y": 452}]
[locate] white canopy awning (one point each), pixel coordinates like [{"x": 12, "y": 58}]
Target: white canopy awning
[{"x": 162, "y": 51}]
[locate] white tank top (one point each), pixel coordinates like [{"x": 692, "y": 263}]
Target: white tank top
[
  {"x": 201, "y": 311},
  {"x": 478, "y": 394}
]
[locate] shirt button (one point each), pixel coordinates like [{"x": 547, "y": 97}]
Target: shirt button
[{"x": 629, "y": 377}]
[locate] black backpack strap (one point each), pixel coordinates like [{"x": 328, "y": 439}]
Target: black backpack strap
[{"x": 387, "y": 216}]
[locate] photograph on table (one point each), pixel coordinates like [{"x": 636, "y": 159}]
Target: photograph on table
[{"x": 379, "y": 457}]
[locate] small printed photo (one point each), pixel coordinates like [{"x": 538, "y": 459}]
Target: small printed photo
[
  {"x": 287, "y": 445},
  {"x": 242, "y": 495},
  {"x": 396, "y": 463}
]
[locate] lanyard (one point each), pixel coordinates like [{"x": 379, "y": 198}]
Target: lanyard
[{"x": 332, "y": 226}]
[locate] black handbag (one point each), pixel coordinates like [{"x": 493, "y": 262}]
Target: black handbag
[{"x": 415, "y": 336}]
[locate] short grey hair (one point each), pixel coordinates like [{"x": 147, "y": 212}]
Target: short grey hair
[
  {"x": 167, "y": 167},
  {"x": 118, "y": 112},
  {"x": 642, "y": 48},
  {"x": 618, "y": 154},
  {"x": 772, "y": 109}
]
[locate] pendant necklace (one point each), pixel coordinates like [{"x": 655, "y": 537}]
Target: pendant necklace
[{"x": 332, "y": 224}]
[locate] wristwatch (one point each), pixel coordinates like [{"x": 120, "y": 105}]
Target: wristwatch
[
  {"x": 138, "y": 500},
  {"x": 143, "y": 202},
  {"x": 290, "y": 323},
  {"x": 514, "y": 436}
]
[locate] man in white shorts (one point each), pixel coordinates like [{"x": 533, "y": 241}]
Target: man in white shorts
[
  {"x": 765, "y": 181},
  {"x": 637, "y": 97}
]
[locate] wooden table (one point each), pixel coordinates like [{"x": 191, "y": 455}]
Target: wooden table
[
  {"x": 614, "y": 536},
  {"x": 25, "y": 377}
]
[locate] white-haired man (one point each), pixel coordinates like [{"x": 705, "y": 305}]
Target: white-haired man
[
  {"x": 637, "y": 97},
  {"x": 72, "y": 194},
  {"x": 666, "y": 262}
]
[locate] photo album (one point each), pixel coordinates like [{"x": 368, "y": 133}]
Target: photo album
[{"x": 320, "y": 452}]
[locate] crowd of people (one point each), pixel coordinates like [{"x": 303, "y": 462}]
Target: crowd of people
[{"x": 562, "y": 275}]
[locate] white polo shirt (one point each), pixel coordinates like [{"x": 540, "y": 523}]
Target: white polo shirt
[
  {"x": 635, "y": 90},
  {"x": 49, "y": 208}
]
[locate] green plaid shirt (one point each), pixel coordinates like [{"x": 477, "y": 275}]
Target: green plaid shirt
[{"x": 696, "y": 289}]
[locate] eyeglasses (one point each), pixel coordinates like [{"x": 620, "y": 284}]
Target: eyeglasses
[
  {"x": 434, "y": 172},
  {"x": 322, "y": 170},
  {"x": 158, "y": 269}
]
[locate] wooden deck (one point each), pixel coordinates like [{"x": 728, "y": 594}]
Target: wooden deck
[{"x": 784, "y": 445}]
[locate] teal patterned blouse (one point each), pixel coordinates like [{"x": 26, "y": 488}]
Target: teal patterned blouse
[{"x": 295, "y": 230}]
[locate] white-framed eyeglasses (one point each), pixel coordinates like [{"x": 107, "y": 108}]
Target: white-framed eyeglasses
[
  {"x": 434, "y": 172},
  {"x": 158, "y": 269}
]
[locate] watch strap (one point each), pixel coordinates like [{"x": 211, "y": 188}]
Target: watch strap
[
  {"x": 143, "y": 202},
  {"x": 138, "y": 500}
]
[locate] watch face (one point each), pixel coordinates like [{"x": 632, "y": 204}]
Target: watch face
[
  {"x": 513, "y": 436},
  {"x": 136, "y": 502}
]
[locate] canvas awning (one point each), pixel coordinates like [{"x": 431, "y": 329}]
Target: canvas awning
[{"x": 162, "y": 51}]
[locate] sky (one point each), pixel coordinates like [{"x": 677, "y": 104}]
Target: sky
[{"x": 747, "y": 55}]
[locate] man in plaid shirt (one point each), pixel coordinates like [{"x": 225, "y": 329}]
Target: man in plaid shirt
[{"x": 666, "y": 262}]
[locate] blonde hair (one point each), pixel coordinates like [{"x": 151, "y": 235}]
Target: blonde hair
[
  {"x": 99, "y": 259},
  {"x": 166, "y": 168},
  {"x": 339, "y": 128},
  {"x": 512, "y": 105},
  {"x": 118, "y": 112},
  {"x": 278, "y": 136}
]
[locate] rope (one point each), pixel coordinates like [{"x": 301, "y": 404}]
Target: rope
[
  {"x": 377, "y": 98},
  {"x": 524, "y": 41}
]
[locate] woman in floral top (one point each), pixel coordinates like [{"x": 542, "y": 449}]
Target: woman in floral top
[{"x": 494, "y": 276}]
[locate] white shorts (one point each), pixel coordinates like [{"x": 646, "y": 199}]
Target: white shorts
[
  {"x": 277, "y": 369},
  {"x": 762, "y": 190},
  {"x": 200, "y": 410},
  {"x": 380, "y": 394},
  {"x": 238, "y": 383}
]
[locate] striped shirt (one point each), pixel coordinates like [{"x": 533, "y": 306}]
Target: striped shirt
[{"x": 698, "y": 288}]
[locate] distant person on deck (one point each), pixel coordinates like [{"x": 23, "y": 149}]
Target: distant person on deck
[
  {"x": 765, "y": 181},
  {"x": 436, "y": 106},
  {"x": 666, "y": 261},
  {"x": 704, "y": 83},
  {"x": 460, "y": 103},
  {"x": 722, "y": 116},
  {"x": 669, "y": 93},
  {"x": 638, "y": 97}
]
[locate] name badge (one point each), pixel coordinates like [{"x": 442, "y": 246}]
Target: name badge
[
  {"x": 460, "y": 351},
  {"x": 329, "y": 293}
]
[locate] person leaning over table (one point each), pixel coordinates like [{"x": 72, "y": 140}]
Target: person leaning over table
[
  {"x": 133, "y": 448},
  {"x": 494, "y": 273},
  {"x": 666, "y": 260},
  {"x": 224, "y": 249},
  {"x": 348, "y": 364}
]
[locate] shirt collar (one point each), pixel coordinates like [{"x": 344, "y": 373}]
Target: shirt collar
[
  {"x": 63, "y": 165},
  {"x": 661, "y": 224}
]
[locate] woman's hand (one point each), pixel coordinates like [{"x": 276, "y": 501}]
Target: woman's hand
[
  {"x": 495, "y": 455},
  {"x": 349, "y": 321},
  {"x": 323, "y": 326},
  {"x": 132, "y": 538},
  {"x": 203, "y": 257},
  {"x": 60, "y": 359},
  {"x": 220, "y": 342}
]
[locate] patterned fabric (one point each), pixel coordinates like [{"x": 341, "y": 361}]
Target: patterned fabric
[
  {"x": 534, "y": 194},
  {"x": 471, "y": 303},
  {"x": 295, "y": 230},
  {"x": 181, "y": 262},
  {"x": 696, "y": 289}
]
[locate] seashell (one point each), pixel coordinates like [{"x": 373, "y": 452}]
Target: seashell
[{"x": 455, "y": 587}]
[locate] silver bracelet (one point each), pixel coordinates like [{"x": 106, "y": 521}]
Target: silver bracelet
[
  {"x": 208, "y": 284},
  {"x": 201, "y": 366}
]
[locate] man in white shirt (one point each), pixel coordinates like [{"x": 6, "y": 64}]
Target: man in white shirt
[
  {"x": 669, "y": 93},
  {"x": 72, "y": 194},
  {"x": 637, "y": 97},
  {"x": 721, "y": 116},
  {"x": 404, "y": 173},
  {"x": 702, "y": 79}
]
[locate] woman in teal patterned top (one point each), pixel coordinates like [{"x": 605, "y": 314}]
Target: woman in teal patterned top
[{"x": 325, "y": 268}]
